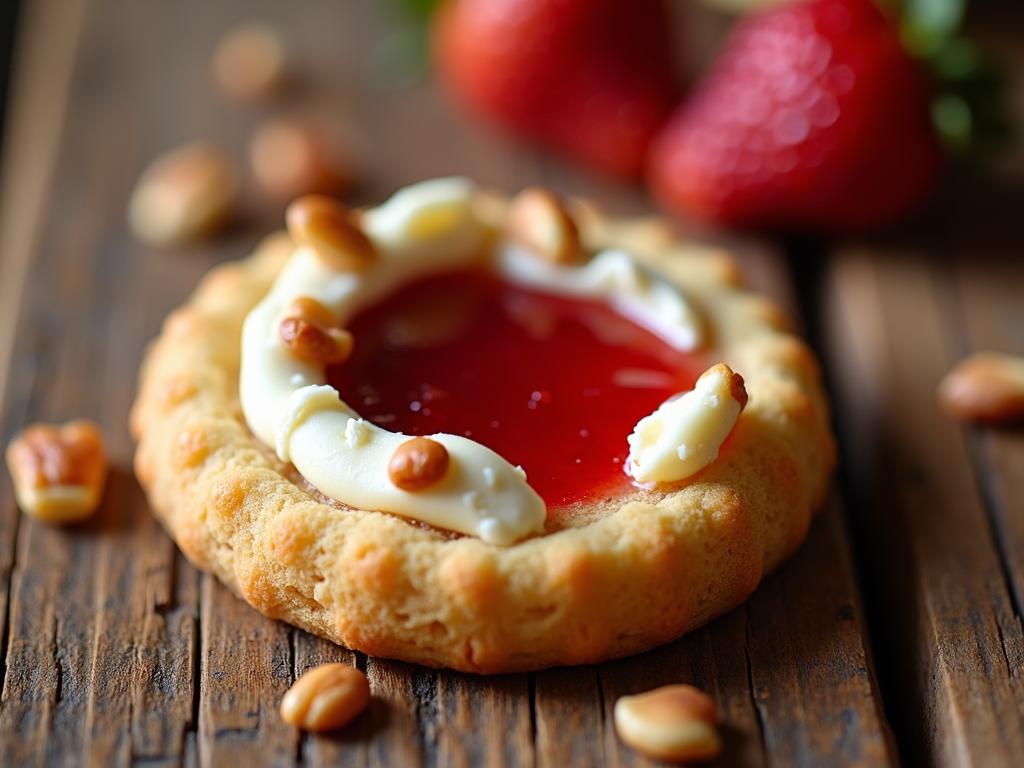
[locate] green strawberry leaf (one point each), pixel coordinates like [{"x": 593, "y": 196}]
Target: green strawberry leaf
[
  {"x": 417, "y": 9},
  {"x": 969, "y": 107},
  {"x": 929, "y": 24}
]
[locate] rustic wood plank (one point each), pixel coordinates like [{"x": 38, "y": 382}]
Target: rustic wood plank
[
  {"x": 163, "y": 692},
  {"x": 117, "y": 603},
  {"x": 403, "y": 695},
  {"x": 569, "y": 718},
  {"x": 815, "y": 695},
  {"x": 938, "y": 579},
  {"x": 40, "y": 78},
  {"x": 41, "y": 70},
  {"x": 469, "y": 709},
  {"x": 246, "y": 667},
  {"x": 988, "y": 281},
  {"x": 33, "y": 676},
  {"x": 81, "y": 352}
]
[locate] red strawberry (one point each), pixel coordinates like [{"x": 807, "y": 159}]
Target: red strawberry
[
  {"x": 814, "y": 117},
  {"x": 592, "y": 78}
]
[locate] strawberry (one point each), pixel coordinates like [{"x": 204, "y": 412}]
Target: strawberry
[
  {"x": 592, "y": 78},
  {"x": 813, "y": 117}
]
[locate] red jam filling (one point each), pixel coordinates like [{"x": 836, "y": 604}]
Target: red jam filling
[{"x": 551, "y": 384}]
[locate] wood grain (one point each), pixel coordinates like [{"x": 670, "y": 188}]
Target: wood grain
[
  {"x": 469, "y": 706},
  {"x": 246, "y": 667},
  {"x": 117, "y": 652},
  {"x": 939, "y": 579},
  {"x": 41, "y": 74}
]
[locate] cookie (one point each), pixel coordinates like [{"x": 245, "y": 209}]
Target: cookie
[{"x": 429, "y": 546}]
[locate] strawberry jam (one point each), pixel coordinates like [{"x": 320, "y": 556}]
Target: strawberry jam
[{"x": 551, "y": 384}]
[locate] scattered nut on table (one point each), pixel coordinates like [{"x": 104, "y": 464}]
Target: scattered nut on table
[
  {"x": 58, "y": 471},
  {"x": 986, "y": 386},
  {"x": 250, "y": 63},
  {"x": 183, "y": 194},
  {"x": 675, "y": 722},
  {"x": 290, "y": 158},
  {"x": 326, "y": 697}
]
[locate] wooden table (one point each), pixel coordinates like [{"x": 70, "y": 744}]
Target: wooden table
[{"x": 894, "y": 635}]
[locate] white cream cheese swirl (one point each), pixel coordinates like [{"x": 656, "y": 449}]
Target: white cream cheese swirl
[
  {"x": 426, "y": 228},
  {"x": 632, "y": 290},
  {"x": 686, "y": 432}
]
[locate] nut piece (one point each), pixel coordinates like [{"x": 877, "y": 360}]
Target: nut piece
[
  {"x": 539, "y": 222},
  {"x": 675, "y": 722},
  {"x": 326, "y": 697},
  {"x": 289, "y": 159},
  {"x": 58, "y": 472},
  {"x": 250, "y": 61},
  {"x": 418, "y": 464},
  {"x": 182, "y": 195},
  {"x": 311, "y": 332},
  {"x": 325, "y": 224},
  {"x": 987, "y": 386}
]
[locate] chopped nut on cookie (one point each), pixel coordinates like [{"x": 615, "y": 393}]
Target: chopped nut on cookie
[
  {"x": 325, "y": 224},
  {"x": 250, "y": 62},
  {"x": 182, "y": 195},
  {"x": 539, "y": 222},
  {"x": 986, "y": 386},
  {"x": 58, "y": 472},
  {"x": 418, "y": 464},
  {"x": 310, "y": 332},
  {"x": 674, "y": 722},
  {"x": 326, "y": 697}
]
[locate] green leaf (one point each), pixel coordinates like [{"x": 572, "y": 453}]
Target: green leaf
[
  {"x": 927, "y": 25},
  {"x": 417, "y": 9},
  {"x": 970, "y": 105},
  {"x": 952, "y": 118}
]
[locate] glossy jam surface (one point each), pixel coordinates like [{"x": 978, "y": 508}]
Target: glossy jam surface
[{"x": 553, "y": 385}]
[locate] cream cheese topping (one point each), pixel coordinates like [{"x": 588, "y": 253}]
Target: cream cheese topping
[
  {"x": 346, "y": 458},
  {"x": 686, "y": 432},
  {"x": 427, "y": 228},
  {"x": 632, "y": 290}
]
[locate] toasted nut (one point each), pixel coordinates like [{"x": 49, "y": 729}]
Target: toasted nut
[
  {"x": 737, "y": 387},
  {"x": 326, "y": 697},
  {"x": 675, "y": 722},
  {"x": 250, "y": 61},
  {"x": 311, "y": 332},
  {"x": 289, "y": 159},
  {"x": 538, "y": 221},
  {"x": 418, "y": 464},
  {"x": 58, "y": 472},
  {"x": 182, "y": 195},
  {"x": 987, "y": 386},
  {"x": 325, "y": 224}
]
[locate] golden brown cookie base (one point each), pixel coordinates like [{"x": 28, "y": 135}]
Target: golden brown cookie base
[{"x": 607, "y": 583}]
